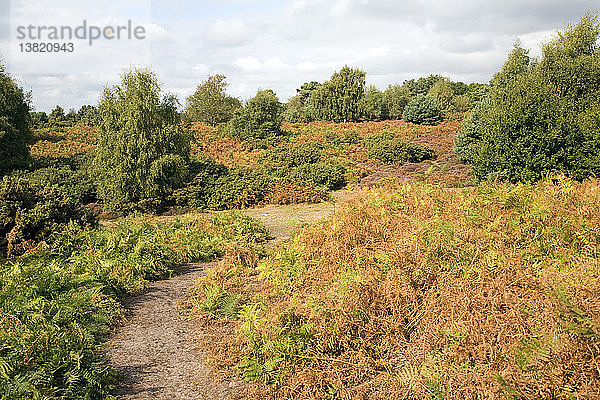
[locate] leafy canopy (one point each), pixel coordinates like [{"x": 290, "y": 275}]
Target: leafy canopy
[
  {"x": 540, "y": 116},
  {"x": 142, "y": 151},
  {"x": 14, "y": 124},
  {"x": 210, "y": 104}
]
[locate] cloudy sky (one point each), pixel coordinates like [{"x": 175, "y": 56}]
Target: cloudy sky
[{"x": 268, "y": 44}]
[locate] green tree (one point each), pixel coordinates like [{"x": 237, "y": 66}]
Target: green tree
[
  {"x": 395, "y": 98},
  {"x": 39, "y": 119},
  {"x": 422, "y": 110},
  {"x": 88, "y": 114},
  {"x": 210, "y": 104},
  {"x": 260, "y": 118},
  {"x": 373, "y": 106},
  {"x": 542, "y": 115},
  {"x": 339, "y": 99},
  {"x": 57, "y": 116},
  {"x": 422, "y": 85},
  {"x": 15, "y": 122},
  {"x": 143, "y": 152},
  {"x": 443, "y": 93}
]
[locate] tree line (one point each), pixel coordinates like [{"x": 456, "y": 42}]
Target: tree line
[{"x": 535, "y": 117}]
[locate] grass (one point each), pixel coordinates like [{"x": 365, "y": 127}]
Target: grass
[
  {"x": 58, "y": 302},
  {"x": 415, "y": 291}
]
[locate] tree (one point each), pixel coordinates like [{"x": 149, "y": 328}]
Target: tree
[
  {"x": 260, "y": 118},
  {"x": 57, "y": 116},
  {"x": 15, "y": 122},
  {"x": 443, "y": 93},
  {"x": 143, "y": 152},
  {"x": 422, "y": 110},
  {"x": 339, "y": 99},
  {"x": 210, "y": 104},
  {"x": 296, "y": 109},
  {"x": 422, "y": 85},
  {"x": 542, "y": 115},
  {"x": 395, "y": 98},
  {"x": 39, "y": 119},
  {"x": 88, "y": 114},
  {"x": 373, "y": 107}
]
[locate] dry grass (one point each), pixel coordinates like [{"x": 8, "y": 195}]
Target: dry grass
[{"x": 418, "y": 292}]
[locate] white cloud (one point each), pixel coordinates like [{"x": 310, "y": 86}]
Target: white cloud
[
  {"x": 230, "y": 32},
  {"x": 280, "y": 45}
]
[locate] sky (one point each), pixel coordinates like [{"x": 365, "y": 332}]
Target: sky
[{"x": 268, "y": 44}]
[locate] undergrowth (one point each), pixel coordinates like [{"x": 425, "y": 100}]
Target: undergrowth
[
  {"x": 57, "y": 302},
  {"x": 420, "y": 292}
]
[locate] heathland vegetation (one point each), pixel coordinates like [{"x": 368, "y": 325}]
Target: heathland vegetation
[{"x": 477, "y": 278}]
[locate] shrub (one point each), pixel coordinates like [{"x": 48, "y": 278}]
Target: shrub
[
  {"x": 142, "y": 151},
  {"x": 383, "y": 146},
  {"x": 260, "y": 118},
  {"x": 331, "y": 176},
  {"x": 31, "y": 212},
  {"x": 304, "y": 162},
  {"x": 14, "y": 124},
  {"x": 216, "y": 187},
  {"x": 75, "y": 182},
  {"x": 422, "y": 110}
]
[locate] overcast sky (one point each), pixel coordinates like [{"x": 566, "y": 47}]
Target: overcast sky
[{"x": 267, "y": 44}]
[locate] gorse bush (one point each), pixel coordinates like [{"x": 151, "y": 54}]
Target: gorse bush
[
  {"x": 385, "y": 147},
  {"x": 304, "y": 162},
  {"x": 422, "y": 110},
  {"x": 31, "y": 212},
  {"x": 14, "y": 124},
  {"x": 58, "y": 303},
  {"x": 142, "y": 151},
  {"x": 406, "y": 290},
  {"x": 541, "y": 115}
]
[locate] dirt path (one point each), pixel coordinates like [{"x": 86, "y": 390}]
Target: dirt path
[{"x": 155, "y": 350}]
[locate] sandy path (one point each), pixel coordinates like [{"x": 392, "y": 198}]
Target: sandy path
[{"x": 155, "y": 350}]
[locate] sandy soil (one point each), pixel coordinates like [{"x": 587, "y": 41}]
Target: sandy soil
[{"x": 155, "y": 350}]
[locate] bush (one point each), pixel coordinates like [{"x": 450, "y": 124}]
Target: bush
[
  {"x": 260, "y": 118},
  {"x": 542, "y": 114},
  {"x": 331, "y": 176},
  {"x": 422, "y": 110},
  {"x": 303, "y": 162},
  {"x": 14, "y": 124},
  {"x": 31, "y": 212},
  {"x": 142, "y": 151},
  {"x": 216, "y": 187},
  {"x": 383, "y": 146}
]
